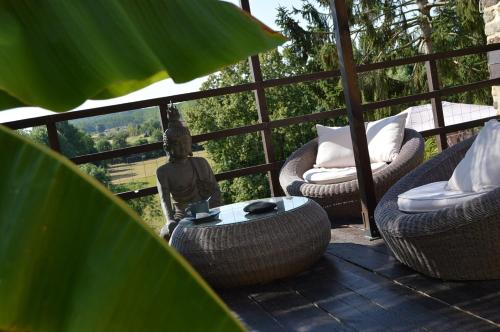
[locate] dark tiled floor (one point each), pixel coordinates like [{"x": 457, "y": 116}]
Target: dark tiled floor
[{"x": 359, "y": 286}]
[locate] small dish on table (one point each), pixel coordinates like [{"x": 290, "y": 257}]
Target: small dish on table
[{"x": 212, "y": 214}]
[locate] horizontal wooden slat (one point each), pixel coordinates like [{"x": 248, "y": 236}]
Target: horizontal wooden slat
[
  {"x": 229, "y": 132},
  {"x": 446, "y": 91},
  {"x": 307, "y": 118},
  {"x": 400, "y": 100},
  {"x": 51, "y": 119},
  {"x": 249, "y": 170},
  {"x": 322, "y": 75},
  {"x": 117, "y": 153},
  {"x": 277, "y": 165},
  {"x": 451, "y": 90},
  {"x": 289, "y": 121},
  {"x": 210, "y": 136},
  {"x": 138, "y": 193},
  {"x": 427, "y": 57},
  {"x": 79, "y": 114},
  {"x": 220, "y": 177},
  {"x": 38, "y": 121},
  {"x": 458, "y": 126}
]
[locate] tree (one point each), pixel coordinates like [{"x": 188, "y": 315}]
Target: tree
[
  {"x": 381, "y": 30},
  {"x": 149, "y": 126},
  {"x": 73, "y": 141},
  {"x": 98, "y": 172},
  {"x": 212, "y": 114},
  {"x": 89, "y": 255},
  {"x": 156, "y": 135},
  {"x": 39, "y": 135},
  {"x": 103, "y": 145},
  {"x": 120, "y": 140}
]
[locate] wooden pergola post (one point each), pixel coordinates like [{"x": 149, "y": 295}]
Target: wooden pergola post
[
  {"x": 354, "y": 107},
  {"x": 436, "y": 103},
  {"x": 262, "y": 110},
  {"x": 53, "y": 136}
]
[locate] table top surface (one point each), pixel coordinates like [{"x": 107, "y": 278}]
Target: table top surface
[{"x": 233, "y": 213}]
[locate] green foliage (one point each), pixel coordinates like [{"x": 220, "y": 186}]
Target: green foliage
[
  {"x": 212, "y": 114},
  {"x": 119, "y": 139},
  {"x": 38, "y": 135},
  {"x": 58, "y": 56},
  {"x": 74, "y": 142},
  {"x": 152, "y": 128},
  {"x": 116, "y": 120},
  {"x": 431, "y": 148},
  {"x": 156, "y": 136},
  {"x": 458, "y": 25},
  {"x": 148, "y": 207},
  {"x": 100, "y": 173},
  {"x": 76, "y": 258},
  {"x": 103, "y": 145},
  {"x": 382, "y": 30}
]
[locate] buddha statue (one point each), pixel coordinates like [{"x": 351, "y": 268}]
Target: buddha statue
[{"x": 184, "y": 179}]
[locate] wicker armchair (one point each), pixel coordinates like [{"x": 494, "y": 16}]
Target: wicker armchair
[
  {"x": 341, "y": 200},
  {"x": 456, "y": 243}
]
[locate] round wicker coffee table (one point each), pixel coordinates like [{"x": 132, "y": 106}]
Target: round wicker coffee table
[{"x": 242, "y": 249}]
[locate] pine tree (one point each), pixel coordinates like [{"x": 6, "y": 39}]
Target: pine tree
[{"x": 381, "y": 30}]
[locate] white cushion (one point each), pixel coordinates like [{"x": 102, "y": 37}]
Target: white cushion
[
  {"x": 334, "y": 147},
  {"x": 480, "y": 168},
  {"x": 335, "y": 175},
  {"x": 384, "y": 142},
  {"x": 433, "y": 196},
  {"x": 385, "y": 137}
]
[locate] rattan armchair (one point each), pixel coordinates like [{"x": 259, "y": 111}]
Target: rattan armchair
[
  {"x": 341, "y": 200},
  {"x": 456, "y": 243}
]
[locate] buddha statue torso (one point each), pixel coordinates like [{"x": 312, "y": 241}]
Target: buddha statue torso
[
  {"x": 188, "y": 181},
  {"x": 184, "y": 179}
]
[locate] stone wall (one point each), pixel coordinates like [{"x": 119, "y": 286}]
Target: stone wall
[{"x": 491, "y": 15}]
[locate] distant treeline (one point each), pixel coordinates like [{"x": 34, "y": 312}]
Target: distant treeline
[
  {"x": 99, "y": 124},
  {"x": 116, "y": 120}
]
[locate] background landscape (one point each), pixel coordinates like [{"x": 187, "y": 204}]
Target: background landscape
[{"x": 382, "y": 30}]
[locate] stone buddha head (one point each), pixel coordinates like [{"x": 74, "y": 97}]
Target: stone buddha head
[{"x": 177, "y": 140}]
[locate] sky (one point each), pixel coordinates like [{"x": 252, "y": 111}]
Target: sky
[{"x": 264, "y": 10}]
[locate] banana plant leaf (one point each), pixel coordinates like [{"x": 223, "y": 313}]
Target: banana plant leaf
[
  {"x": 75, "y": 258},
  {"x": 57, "y": 53}
]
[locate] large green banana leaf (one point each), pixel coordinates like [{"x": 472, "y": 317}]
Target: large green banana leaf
[
  {"x": 75, "y": 258},
  {"x": 58, "y": 53}
]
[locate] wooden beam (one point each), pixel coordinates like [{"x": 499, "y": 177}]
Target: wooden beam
[
  {"x": 353, "y": 101},
  {"x": 84, "y": 113},
  {"x": 436, "y": 102},
  {"x": 219, "y": 177},
  {"x": 53, "y": 136},
  {"x": 263, "y": 112}
]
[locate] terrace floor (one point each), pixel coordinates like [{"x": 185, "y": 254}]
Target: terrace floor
[{"x": 359, "y": 286}]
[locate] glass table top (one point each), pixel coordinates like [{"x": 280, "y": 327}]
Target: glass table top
[{"x": 233, "y": 213}]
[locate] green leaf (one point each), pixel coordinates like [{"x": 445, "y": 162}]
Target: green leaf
[
  {"x": 57, "y": 54},
  {"x": 76, "y": 258}
]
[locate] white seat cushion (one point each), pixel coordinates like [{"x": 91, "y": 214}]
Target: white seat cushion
[
  {"x": 336, "y": 174},
  {"x": 480, "y": 168},
  {"x": 384, "y": 138},
  {"x": 433, "y": 196}
]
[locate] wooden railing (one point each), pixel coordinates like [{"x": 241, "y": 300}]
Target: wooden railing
[
  {"x": 272, "y": 166},
  {"x": 354, "y": 110}
]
